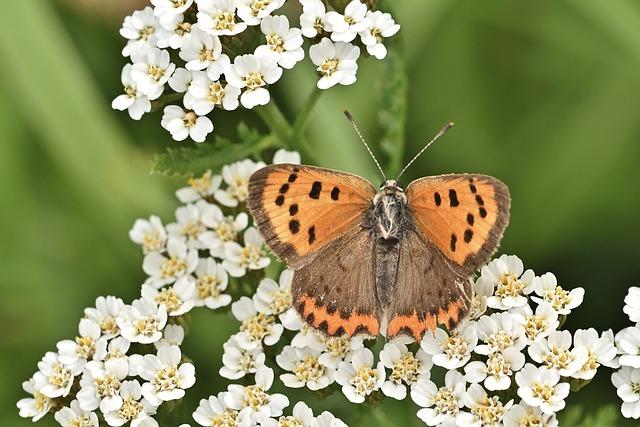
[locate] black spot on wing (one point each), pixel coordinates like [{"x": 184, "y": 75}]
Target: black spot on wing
[
  {"x": 482, "y": 212},
  {"x": 294, "y": 226},
  {"x": 470, "y": 219},
  {"x": 293, "y": 177},
  {"x": 316, "y": 189},
  {"x": 453, "y": 198},
  {"x": 454, "y": 240},
  {"x": 479, "y": 200},
  {"x": 468, "y": 235},
  {"x": 335, "y": 194},
  {"x": 312, "y": 234},
  {"x": 293, "y": 209},
  {"x": 284, "y": 188},
  {"x": 437, "y": 199},
  {"x": 280, "y": 200}
]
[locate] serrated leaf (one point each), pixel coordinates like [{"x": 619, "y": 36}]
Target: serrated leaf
[{"x": 195, "y": 160}]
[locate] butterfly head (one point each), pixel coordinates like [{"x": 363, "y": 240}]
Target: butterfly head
[{"x": 391, "y": 187}]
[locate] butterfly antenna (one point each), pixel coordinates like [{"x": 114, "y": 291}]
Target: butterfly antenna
[
  {"x": 355, "y": 127},
  {"x": 435, "y": 138}
]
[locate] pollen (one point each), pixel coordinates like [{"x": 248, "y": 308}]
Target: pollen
[
  {"x": 130, "y": 409},
  {"x": 167, "y": 378},
  {"x": 406, "y": 369},
  {"x": 258, "y": 326},
  {"x": 208, "y": 286},
  {"x": 169, "y": 299},
  {"x": 173, "y": 267},
  {"x": 216, "y": 93},
  {"x": 225, "y": 21},
  {"x": 85, "y": 347},
  {"x": 254, "y": 80},
  {"x": 146, "y": 326},
  {"x": 557, "y": 357},
  {"x": 329, "y": 66},
  {"x": 309, "y": 369},
  {"x": 445, "y": 401},
  {"x": 365, "y": 380},
  {"x": 489, "y": 411},
  {"x": 275, "y": 42},
  {"x": 282, "y": 301},
  {"x": 109, "y": 385},
  {"x": 456, "y": 347},
  {"x": 152, "y": 241},
  {"x": 60, "y": 376},
  {"x": 500, "y": 340},
  {"x": 226, "y": 231},
  {"x": 558, "y": 298},
  {"x": 201, "y": 185},
  {"x": 255, "y": 397},
  {"x": 509, "y": 286},
  {"x": 156, "y": 73}
]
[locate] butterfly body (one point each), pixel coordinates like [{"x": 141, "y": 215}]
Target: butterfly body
[{"x": 366, "y": 259}]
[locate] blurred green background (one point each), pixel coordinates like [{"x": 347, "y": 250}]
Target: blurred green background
[{"x": 545, "y": 96}]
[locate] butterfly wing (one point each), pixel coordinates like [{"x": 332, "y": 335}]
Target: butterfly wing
[
  {"x": 336, "y": 292},
  {"x": 458, "y": 221},
  {"x": 430, "y": 290},
  {"x": 301, "y": 209},
  {"x": 463, "y": 215}
]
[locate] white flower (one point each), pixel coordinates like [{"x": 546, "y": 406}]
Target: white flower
[
  {"x": 182, "y": 124},
  {"x": 100, "y": 388},
  {"x": 283, "y": 43},
  {"x": 133, "y": 100},
  {"x": 499, "y": 332},
  {"x": 628, "y": 343},
  {"x": 451, "y": 351},
  {"x": 238, "y": 361},
  {"x": 381, "y": 25},
  {"x": 236, "y": 176},
  {"x": 406, "y": 367},
  {"x": 143, "y": 321},
  {"x": 73, "y": 416},
  {"x": 284, "y": 156},
  {"x": 105, "y": 314},
  {"x": 116, "y": 359},
  {"x": 164, "y": 270},
  {"x": 256, "y": 327},
  {"x": 211, "y": 282},
  {"x": 252, "y": 73},
  {"x": 172, "y": 335},
  {"x": 302, "y": 416},
  {"x": 180, "y": 81},
  {"x": 562, "y": 301},
  {"x": 511, "y": 285},
  {"x": 199, "y": 188},
  {"x": 523, "y": 415},
  {"x": 313, "y": 19},
  {"x": 177, "y": 299},
  {"x": 274, "y": 298},
  {"x": 359, "y": 377},
  {"x": 218, "y": 17},
  {"x": 346, "y": 27},
  {"x": 150, "y": 234},
  {"x": 497, "y": 371},
  {"x": 553, "y": 352},
  {"x": 173, "y": 31},
  {"x": 541, "y": 387},
  {"x": 336, "y": 62},
  {"x": 482, "y": 290},
  {"x": 327, "y": 419},
  {"x": 627, "y": 381},
  {"x": 214, "y": 412},
  {"x": 171, "y": 7},
  {"x": 307, "y": 336},
  {"x": 86, "y": 346},
  {"x": 53, "y": 378},
  {"x": 536, "y": 325},
  {"x": 134, "y": 409},
  {"x": 253, "y": 11},
  {"x": 34, "y": 407},
  {"x": 600, "y": 350},
  {"x": 221, "y": 230},
  {"x": 201, "y": 51},
  {"x": 140, "y": 30},
  {"x": 632, "y": 304},
  {"x": 167, "y": 377},
  {"x": 208, "y": 94},
  {"x": 151, "y": 71},
  {"x": 484, "y": 410},
  {"x": 193, "y": 220},
  {"x": 305, "y": 368},
  {"x": 254, "y": 401},
  {"x": 251, "y": 256},
  {"x": 440, "y": 406},
  {"x": 334, "y": 349}
]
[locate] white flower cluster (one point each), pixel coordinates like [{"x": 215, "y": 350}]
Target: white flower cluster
[
  {"x": 512, "y": 342},
  {"x": 204, "y": 49},
  {"x": 627, "y": 378}
]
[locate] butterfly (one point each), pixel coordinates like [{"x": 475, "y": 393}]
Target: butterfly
[{"x": 368, "y": 259}]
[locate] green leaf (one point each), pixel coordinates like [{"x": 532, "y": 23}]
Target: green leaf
[
  {"x": 393, "y": 114},
  {"x": 186, "y": 161},
  {"x": 604, "y": 416}
]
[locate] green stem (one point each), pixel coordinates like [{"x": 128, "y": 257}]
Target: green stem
[
  {"x": 272, "y": 116},
  {"x": 304, "y": 115},
  {"x": 164, "y": 100}
]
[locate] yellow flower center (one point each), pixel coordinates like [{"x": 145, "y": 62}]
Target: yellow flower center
[
  {"x": 130, "y": 409},
  {"x": 543, "y": 391},
  {"x": 192, "y": 229},
  {"x": 208, "y": 286},
  {"x": 557, "y": 357},
  {"x": 259, "y": 5},
  {"x": 364, "y": 380},
  {"x": 275, "y": 42},
  {"x": 406, "y": 369},
  {"x": 183, "y": 28},
  {"x": 254, "y": 80},
  {"x": 309, "y": 369},
  {"x": 497, "y": 366},
  {"x": 329, "y": 66},
  {"x": 531, "y": 420},
  {"x": 40, "y": 401},
  {"x": 167, "y": 378},
  {"x": 146, "y": 326},
  {"x": 216, "y": 93},
  {"x": 106, "y": 386},
  {"x": 500, "y": 340},
  {"x": 206, "y": 55},
  {"x": 130, "y": 91},
  {"x": 289, "y": 422},
  {"x": 377, "y": 33},
  {"x": 239, "y": 188},
  {"x": 558, "y": 297},
  {"x": 509, "y": 286},
  {"x": 251, "y": 254},
  {"x": 490, "y": 411},
  {"x": 201, "y": 185},
  {"x": 255, "y": 397},
  {"x": 228, "y": 418},
  {"x": 83, "y": 421},
  {"x": 60, "y": 376},
  {"x": 258, "y": 326},
  {"x": 172, "y": 267},
  {"x": 445, "y": 401},
  {"x": 146, "y": 32},
  {"x": 225, "y": 21},
  {"x": 169, "y": 298},
  {"x": 534, "y": 326},
  {"x": 226, "y": 230},
  {"x": 456, "y": 347},
  {"x": 338, "y": 346},
  {"x": 282, "y": 301},
  {"x": 85, "y": 347},
  {"x": 156, "y": 72}
]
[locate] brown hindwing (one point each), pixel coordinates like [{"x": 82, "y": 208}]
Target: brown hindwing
[
  {"x": 430, "y": 290},
  {"x": 335, "y": 292},
  {"x": 301, "y": 209}
]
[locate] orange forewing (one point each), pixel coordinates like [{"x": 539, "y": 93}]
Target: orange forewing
[
  {"x": 463, "y": 215},
  {"x": 300, "y": 209}
]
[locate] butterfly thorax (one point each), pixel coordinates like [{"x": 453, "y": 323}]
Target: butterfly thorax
[{"x": 390, "y": 213}]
